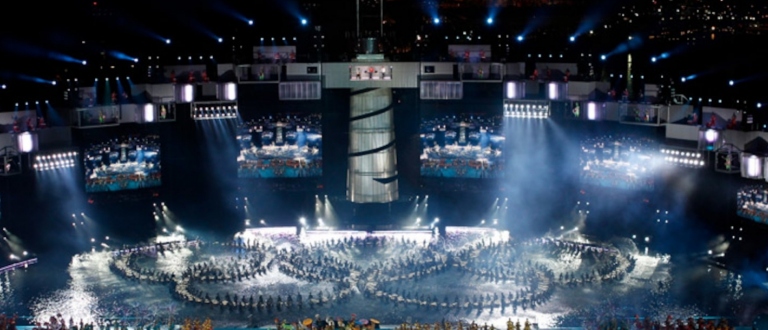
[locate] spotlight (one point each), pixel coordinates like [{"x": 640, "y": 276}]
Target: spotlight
[
  {"x": 519, "y": 38},
  {"x": 489, "y": 20},
  {"x": 730, "y": 83},
  {"x": 602, "y": 57},
  {"x": 136, "y": 60},
  {"x": 167, "y": 41},
  {"x": 221, "y": 40},
  {"x": 85, "y": 62},
  {"x": 653, "y": 59},
  {"x": 3, "y": 87},
  {"x": 53, "y": 82},
  {"x": 250, "y": 22},
  {"x": 436, "y": 20},
  {"x": 303, "y": 21},
  {"x": 682, "y": 79},
  {"x": 572, "y": 39}
]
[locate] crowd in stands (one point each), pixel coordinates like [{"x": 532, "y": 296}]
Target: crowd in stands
[
  {"x": 752, "y": 203},
  {"x": 618, "y": 162}
]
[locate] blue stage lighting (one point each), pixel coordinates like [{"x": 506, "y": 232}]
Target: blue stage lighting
[
  {"x": 85, "y": 62},
  {"x": 759, "y": 105},
  {"x": 303, "y": 21},
  {"x": 53, "y": 82},
  {"x": 167, "y": 41},
  {"x": 250, "y": 22},
  {"x": 573, "y": 38},
  {"x": 653, "y": 59},
  {"x": 520, "y": 38},
  {"x": 4, "y": 86},
  {"x": 602, "y": 57},
  {"x": 730, "y": 82},
  {"x": 436, "y": 20},
  {"x": 221, "y": 40},
  {"x": 136, "y": 60},
  {"x": 683, "y": 79},
  {"x": 489, "y": 20}
]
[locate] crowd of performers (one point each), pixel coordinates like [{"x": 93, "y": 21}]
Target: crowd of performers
[
  {"x": 752, "y": 203},
  {"x": 618, "y": 162},
  {"x": 397, "y": 280}
]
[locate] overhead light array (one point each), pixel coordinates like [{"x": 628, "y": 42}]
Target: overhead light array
[
  {"x": 685, "y": 158},
  {"x": 55, "y": 161},
  {"x": 210, "y": 111},
  {"x": 527, "y": 110}
]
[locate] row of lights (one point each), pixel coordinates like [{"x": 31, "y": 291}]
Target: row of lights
[
  {"x": 105, "y": 79},
  {"x": 683, "y": 158},
  {"x": 214, "y": 112},
  {"x": 190, "y": 57},
  {"x": 36, "y": 103},
  {"x": 55, "y": 161},
  {"x": 526, "y": 111}
]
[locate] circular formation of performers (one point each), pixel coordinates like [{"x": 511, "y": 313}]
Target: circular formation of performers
[{"x": 388, "y": 269}]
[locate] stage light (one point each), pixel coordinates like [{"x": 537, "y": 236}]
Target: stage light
[
  {"x": 520, "y": 38},
  {"x": 602, "y": 57},
  {"x": 591, "y": 111},
  {"x": 85, "y": 62},
  {"x": 25, "y": 142},
  {"x": 167, "y": 41},
  {"x": 188, "y": 93},
  {"x": 221, "y": 40},
  {"x": 303, "y": 21},
  {"x": 572, "y": 39},
  {"x": 149, "y": 112},
  {"x": 436, "y": 20},
  {"x": 553, "y": 91},
  {"x": 250, "y": 22},
  {"x": 230, "y": 91},
  {"x": 53, "y": 82},
  {"x": 759, "y": 105},
  {"x": 489, "y": 20},
  {"x": 4, "y": 87},
  {"x": 511, "y": 90},
  {"x": 710, "y": 135},
  {"x": 682, "y": 79},
  {"x": 653, "y": 59},
  {"x": 136, "y": 60}
]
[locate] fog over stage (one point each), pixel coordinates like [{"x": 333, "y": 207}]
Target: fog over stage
[{"x": 464, "y": 273}]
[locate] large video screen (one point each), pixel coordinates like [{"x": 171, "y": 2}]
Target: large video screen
[
  {"x": 619, "y": 162},
  {"x": 125, "y": 163},
  {"x": 462, "y": 146},
  {"x": 752, "y": 203},
  {"x": 281, "y": 146}
]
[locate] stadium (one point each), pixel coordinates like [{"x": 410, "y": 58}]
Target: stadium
[{"x": 370, "y": 164}]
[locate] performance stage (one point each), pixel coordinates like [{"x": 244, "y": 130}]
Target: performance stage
[{"x": 455, "y": 273}]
